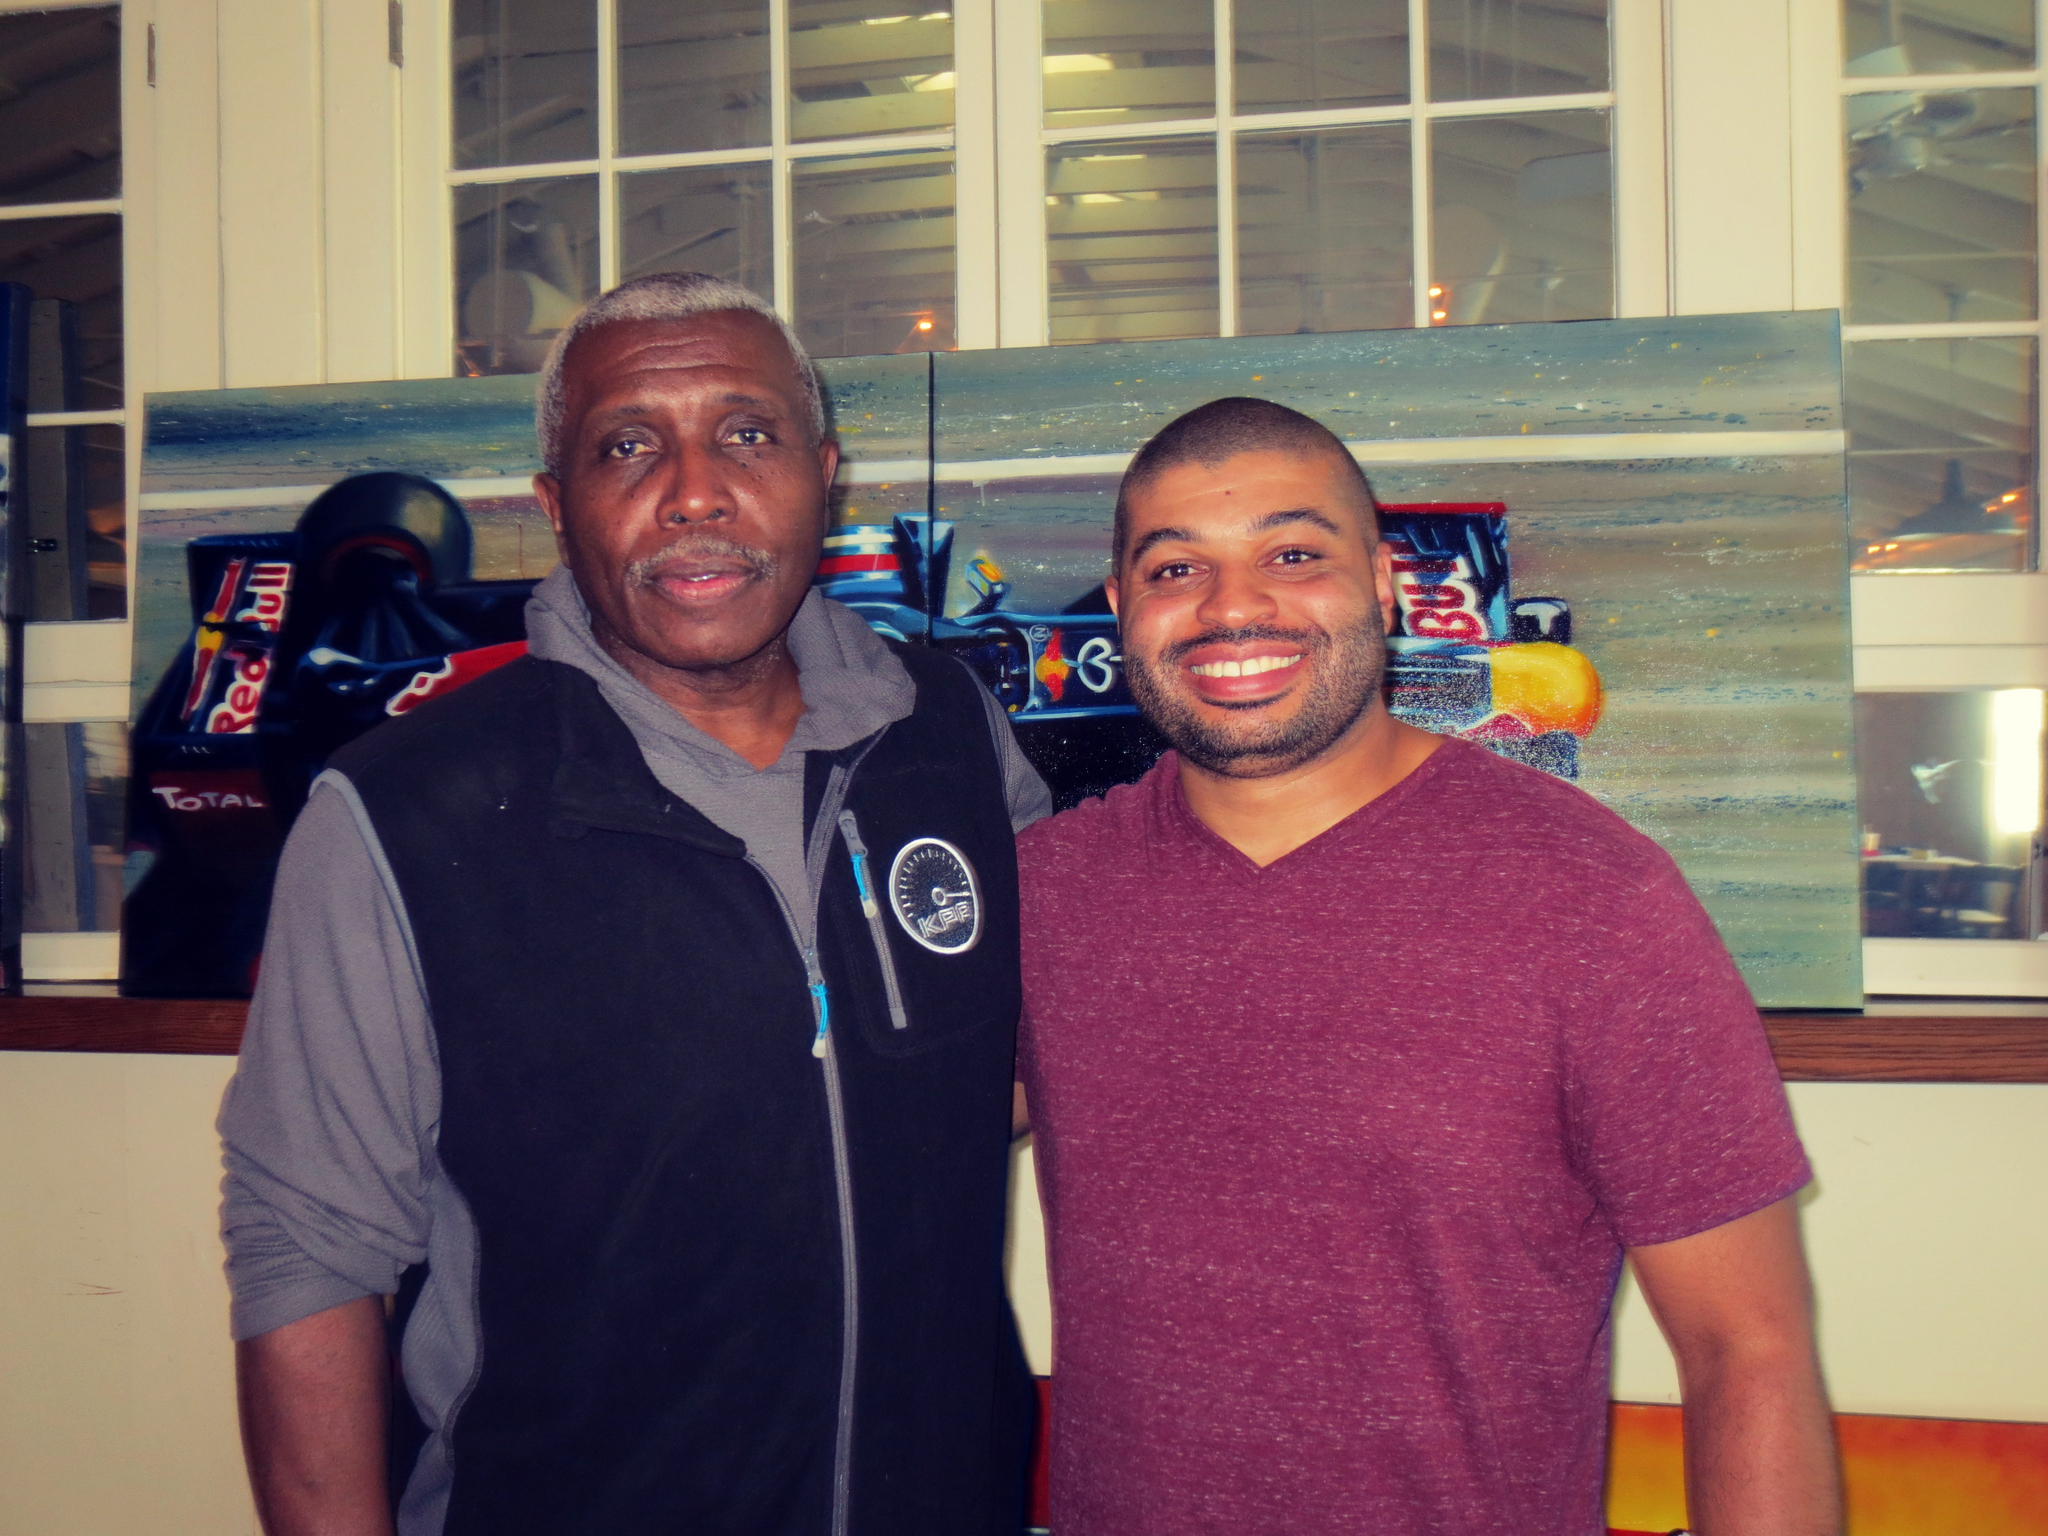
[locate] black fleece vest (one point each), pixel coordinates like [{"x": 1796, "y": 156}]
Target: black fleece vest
[{"x": 632, "y": 1109}]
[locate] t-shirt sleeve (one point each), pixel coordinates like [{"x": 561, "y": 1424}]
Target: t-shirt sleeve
[
  {"x": 1023, "y": 790},
  {"x": 1679, "y": 1116},
  {"x": 328, "y": 1126}
]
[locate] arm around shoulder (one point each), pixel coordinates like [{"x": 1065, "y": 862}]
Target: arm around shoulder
[{"x": 1736, "y": 1304}]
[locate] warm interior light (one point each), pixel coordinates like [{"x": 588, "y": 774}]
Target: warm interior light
[
  {"x": 1439, "y": 314},
  {"x": 2016, "y": 759},
  {"x": 1435, "y": 292},
  {"x": 924, "y": 325}
]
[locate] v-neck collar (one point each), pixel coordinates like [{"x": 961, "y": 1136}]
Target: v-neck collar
[{"x": 1180, "y": 816}]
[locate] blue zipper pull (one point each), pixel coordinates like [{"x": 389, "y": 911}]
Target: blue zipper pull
[
  {"x": 860, "y": 880},
  {"x": 821, "y": 1005}
]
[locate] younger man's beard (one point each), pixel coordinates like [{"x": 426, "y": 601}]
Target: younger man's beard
[{"x": 1348, "y": 668}]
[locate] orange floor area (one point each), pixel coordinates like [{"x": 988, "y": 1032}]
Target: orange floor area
[{"x": 1903, "y": 1477}]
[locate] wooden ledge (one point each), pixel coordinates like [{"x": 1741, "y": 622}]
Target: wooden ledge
[
  {"x": 1931, "y": 1047},
  {"x": 1910, "y": 1047},
  {"x": 143, "y": 1025}
]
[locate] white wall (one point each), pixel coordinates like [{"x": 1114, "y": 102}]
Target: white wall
[{"x": 117, "y": 1410}]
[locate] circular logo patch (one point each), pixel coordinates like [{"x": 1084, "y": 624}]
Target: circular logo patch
[{"x": 934, "y": 894}]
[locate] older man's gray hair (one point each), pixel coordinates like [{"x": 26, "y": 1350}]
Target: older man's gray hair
[{"x": 658, "y": 296}]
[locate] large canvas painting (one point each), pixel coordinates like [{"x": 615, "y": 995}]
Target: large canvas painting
[{"x": 1621, "y": 550}]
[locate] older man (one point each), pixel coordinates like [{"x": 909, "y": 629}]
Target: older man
[
  {"x": 1380, "y": 1056},
  {"x": 581, "y": 1027}
]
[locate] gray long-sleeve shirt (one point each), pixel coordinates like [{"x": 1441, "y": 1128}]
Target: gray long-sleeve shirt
[{"x": 333, "y": 1185}]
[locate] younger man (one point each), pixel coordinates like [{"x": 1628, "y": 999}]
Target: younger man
[{"x": 1373, "y": 1057}]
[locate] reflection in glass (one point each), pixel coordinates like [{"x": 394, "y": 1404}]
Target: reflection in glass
[
  {"x": 1928, "y": 37},
  {"x": 525, "y": 263},
  {"x": 525, "y": 81},
  {"x": 75, "y": 485},
  {"x": 874, "y": 253},
  {"x": 77, "y": 782},
  {"x": 692, "y": 77},
  {"x": 1950, "y": 790},
  {"x": 1313, "y": 54},
  {"x": 1481, "y": 49},
  {"x": 1941, "y": 453},
  {"x": 712, "y": 218},
  {"x": 866, "y": 68},
  {"x": 1324, "y": 237},
  {"x": 1524, "y": 219},
  {"x": 60, "y": 120},
  {"x": 1131, "y": 239},
  {"x": 76, "y": 262},
  {"x": 1127, "y": 61},
  {"x": 1941, "y": 206}
]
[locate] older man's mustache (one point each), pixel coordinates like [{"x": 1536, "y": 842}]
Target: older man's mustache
[{"x": 701, "y": 551}]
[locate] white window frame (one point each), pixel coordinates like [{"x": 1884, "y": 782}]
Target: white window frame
[
  {"x": 1636, "y": 128},
  {"x": 1943, "y": 632},
  {"x": 971, "y": 140},
  {"x": 77, "y": 670}
]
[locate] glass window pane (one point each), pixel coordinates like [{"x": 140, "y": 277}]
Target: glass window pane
[
  {"x": 1941, "y": 206},
  {"x": 874, "y": 254},
  {"x": 1925, "y": 37},
  {"x": 1324, "y": 236},
  {"x": 525, "y": 81},
  {"x": 525, "y": 263},
  {"x": 1131, "y": 239},
  {"x": 692, "y": 77},
  {"x": 1112, "y": 62},
  {"x": 60, "y": 122},
  {"x": 77, "y": 497},
  {"x": 1482, "y": 49},
  {"x": 1523, "y": 219},
  {"x": 77, "y": 261},
  {"x": 866, "y": 68},
  {"x": 1941, "y": 454},
  {"x": 712, "y": 218},
  {"x": 1950, "y": 790},
  {"x": 1308, "y": 54},
  {"x": 77, "y": 782}
]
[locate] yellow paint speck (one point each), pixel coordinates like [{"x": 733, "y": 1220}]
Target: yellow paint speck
[
  {"x": 870, "y": 416},
  {"x": 1713, "y": 634},
  {"x": 1612, "y": 620},
  {"x": 1525, "y": 426},
  {"x": 1674, "y": 346},
  {"x": 1257, "y": 377},
  {"x": 1116, "y": 384},
  {"x": 1841, "y": 754}
]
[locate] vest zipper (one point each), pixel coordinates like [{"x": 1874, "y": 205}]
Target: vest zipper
[
  {"x": 816, "y": 855},
  {"x": 842, "y": 1183},
  {"x": 864, "y": 879}
]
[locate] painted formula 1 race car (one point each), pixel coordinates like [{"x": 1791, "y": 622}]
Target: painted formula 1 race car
[
  {"x": 302, "y": 641},
  {"x": 1465, "y": 658}
]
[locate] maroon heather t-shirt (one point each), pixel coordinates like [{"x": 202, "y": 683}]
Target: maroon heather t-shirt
[{"x": 1339, "y": 1156}]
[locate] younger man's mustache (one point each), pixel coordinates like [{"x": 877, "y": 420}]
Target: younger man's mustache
[{"x": 1311, "y": 641}]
